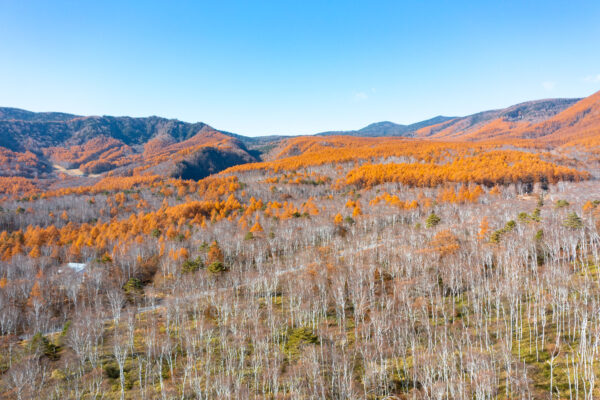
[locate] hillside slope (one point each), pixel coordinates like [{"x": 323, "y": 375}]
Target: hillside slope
[
  {"x": 579, "y": 123},
  {"x": 556, "y": 122},
  {"x": 31, "y": 142},
  {"x": 493, "y": 123},
  {"x": 482, "y": 125}
]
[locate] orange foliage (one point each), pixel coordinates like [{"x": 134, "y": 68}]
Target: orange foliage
[
  {"x": 18, "y": 164},
  {"x": 445, "y": 243},
  {"x": 17, "y": 185},
  {"x": 96, "y": 155},
  {"x": 464, "y": 195},
  {"x": 99, "y": 235},
  {"x": 105, "y": 185},
  {"x": 181, "y": 254},
  {"x": 495, "y": 190},
  {"x": 338, "y": 219},
  {"x": 395, "y": 201},
  {"x": 215, "y": 254},
  {"x": 210, "y": 188},
  {"x": 497, "y": 167},
  {"x": 303, "y": 152},
  {"x": 35, "y": 252},
  {"x": 578, "y": 125},
  {"x": 163, "y": 148},
  {"x": 299, "y": 178},
  {"x": 484, "y": 228},
  {"x": 256, "y": 228},
  {"x": 588, "y": 206},
  {"x": 35, "y": 295}
]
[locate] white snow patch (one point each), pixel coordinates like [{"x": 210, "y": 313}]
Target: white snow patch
[{"x": 77, "y": 267}]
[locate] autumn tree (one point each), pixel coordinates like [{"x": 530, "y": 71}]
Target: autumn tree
[
  {"x": 215, "y": 258},
  {"x": 484, "y": 228}
]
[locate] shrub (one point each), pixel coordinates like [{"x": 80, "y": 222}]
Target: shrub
[
  {"x": 523, "y": 217},
  {"x": 573, "y": 221},
  {"x": 112, "y": 370},
  {"x": 295, "y": 338},
  {"x": 65, "y": 329},
  {"x": 41, "y": 343},
  {"x": 133, "y": 288},
  {"x": 432, "y": 220},
  {"x": 216, "y": 267},
  {"x": 190, "y": 266},
  {"x": 496, "y": 236},
  {"x": 539, "y": 235}
]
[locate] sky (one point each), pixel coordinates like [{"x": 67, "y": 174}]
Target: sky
[{"x": 294, "y": 67}]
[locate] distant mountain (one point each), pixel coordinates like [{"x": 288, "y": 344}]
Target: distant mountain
[
  {"x": 23, "y": 130},
  {"x": 7, "y": 114},
  {"x": 387, "y": 128},
  {"x": 487, "y": 124},
  {"x": 469, "y": 127}
]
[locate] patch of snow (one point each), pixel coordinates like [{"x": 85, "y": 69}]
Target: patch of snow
[{"x": 77, "y": 267}]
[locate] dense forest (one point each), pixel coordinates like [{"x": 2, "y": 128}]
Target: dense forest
[{"x": 191, "y": 263}]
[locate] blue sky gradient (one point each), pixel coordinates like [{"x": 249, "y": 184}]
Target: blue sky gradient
[{"x": 294, "y": 67}]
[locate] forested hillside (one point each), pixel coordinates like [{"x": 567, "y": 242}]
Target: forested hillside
[
  {"x": 149, "y": 258},
  {"x": 42, "y": 145}
]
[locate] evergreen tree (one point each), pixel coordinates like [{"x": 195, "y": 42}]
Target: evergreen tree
[
  {"x": 573, "y": 221},
  {"x": 432, "y": 220}
]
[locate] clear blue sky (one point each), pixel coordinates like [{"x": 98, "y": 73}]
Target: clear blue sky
[{"x": 294, "y": 67}]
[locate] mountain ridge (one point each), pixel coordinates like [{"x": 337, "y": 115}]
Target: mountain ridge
[
  {"x": 531, "y": 111},
  {"x": 31, "y": 143},
  {"x": 148, "y": 127},
  {"x": 388, "y": 128}
]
